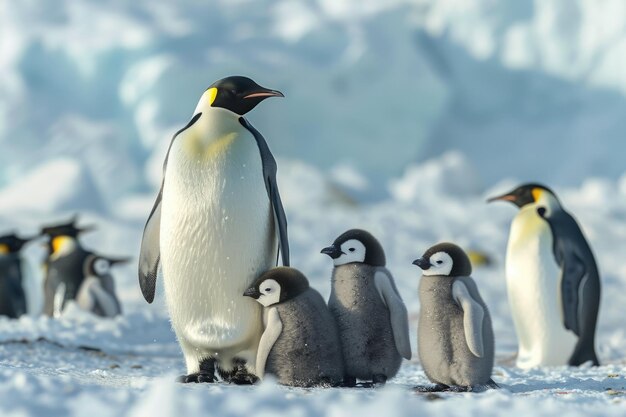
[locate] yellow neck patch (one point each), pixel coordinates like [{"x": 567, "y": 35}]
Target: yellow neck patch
[
  {"x": 537, "y": 192},
  {"x": 60, "y": 241},
  {"x": 197, "y": 147},
  {"x": 4, "y": 249},
  {"x": 211, "y": 94}
]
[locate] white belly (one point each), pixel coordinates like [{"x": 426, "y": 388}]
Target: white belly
[
  {"x": 217, "y": 236},
  {"x": 533, "y": 284}
]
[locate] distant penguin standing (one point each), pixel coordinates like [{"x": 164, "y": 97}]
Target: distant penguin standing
[
  {"x": 216, "y": 225},
  {"x": 97, "y": 292},
  {"x": 455, "y": 335},
  {"x": 372, "y": 318},
  {"x": 552, "y": 281},
  {"x": 64, "y": 266},
  {"x": 300, "y": 344},
  {"x": 13, "y": 303}
]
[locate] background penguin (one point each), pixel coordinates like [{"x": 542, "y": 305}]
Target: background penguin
[
  {"x": 13, "y": 303},
  {"x": 64, "y": 265},
  {"x": 216, "y": 225},
  {"x": 372, "y": 319},
  {"x": 552, "y": 281},
  {"x": 97, "y": 292},
  {"x": 455, "y": 335},
  {"x": 300, "y": 344}
]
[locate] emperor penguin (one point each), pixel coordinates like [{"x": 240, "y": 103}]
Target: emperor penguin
[
  {"x": 552, "y": 281},
  {"x": 13, "y": 300},
  {"x": 372, "y": 319},
  {"x": 63, "y": 266},
  {"x": 97, "y": 292},
  {"x": 217, "y": 224},
  {"x": 455, "y": 335},
  {"x": 300, "y": 345}
]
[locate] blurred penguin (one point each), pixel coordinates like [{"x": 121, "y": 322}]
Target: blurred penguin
[
  {"x": 97, "y": 292},
  {"x": 13, "y": 302},
  {"x": 64, "y": 267}
]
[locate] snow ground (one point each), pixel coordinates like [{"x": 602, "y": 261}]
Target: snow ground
[
  {"x": 126, "y": 366},
  {"x": 91, "y": 92}
]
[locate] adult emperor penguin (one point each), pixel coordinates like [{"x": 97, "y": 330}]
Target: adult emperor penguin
[
  {"x": 455, "y": 335},
  {"x": 552, "y": 281},
  {"x": 13, "y": 302},
  {"x": 372, "y": 319},
  {"x": 64, "y": 265},
  {"x": 97, "y": 292},
  {"x": 215, "y": 227},
  {"x": 300, "y": 345}
]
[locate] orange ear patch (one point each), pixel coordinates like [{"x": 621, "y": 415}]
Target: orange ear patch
[{"x": 537, "y": 192}]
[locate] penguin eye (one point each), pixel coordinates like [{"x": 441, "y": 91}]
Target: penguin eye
[
  {"x": 439, "y": 262},
  {"x": 351, "y": 249},
  {"x": 268, "y": 289}
]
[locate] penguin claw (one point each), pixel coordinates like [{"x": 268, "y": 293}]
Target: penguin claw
[
  {"x": 197, "y": 378},
  {"x": 244, "y": 378}
]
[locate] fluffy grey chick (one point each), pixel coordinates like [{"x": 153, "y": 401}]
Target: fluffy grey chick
[
  {"x": 372, "y": 319},
  {"x": 300, "y": 343},
  {"x": 455, "y": 336},
  {"x": 97, "y": 292}
]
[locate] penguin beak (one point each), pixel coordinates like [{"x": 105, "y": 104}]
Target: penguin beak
[
  {"x": 118, "y": 261},
  {"x": 263, "y": 93},
  {"x": 332, "y": 251},
  {"x": 504, "y": 197},
  {"x": 86, "y": 229},
  {"x": 252, "y": 292},
  {"x": 422, "y": 263}
]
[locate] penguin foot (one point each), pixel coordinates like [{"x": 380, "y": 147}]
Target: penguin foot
[
  {"x": 243, "y": 378},
  {"x": 379, "y": 380},
  {"x": 197, "y": 378},
  {"x": 349, "y": 382},
  {"x": 239, "y": 375},
  {"x": 432, "y": 388}
]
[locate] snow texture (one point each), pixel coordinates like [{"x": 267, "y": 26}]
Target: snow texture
[{"x": 400, "y": 117}]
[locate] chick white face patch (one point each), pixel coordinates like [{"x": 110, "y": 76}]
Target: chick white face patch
[
  {"x": 101, "y": 266},
  {"x": 351, "y": 251},
  {"x": 270, "y": 292},
  {"x": 440, "y": 264}
]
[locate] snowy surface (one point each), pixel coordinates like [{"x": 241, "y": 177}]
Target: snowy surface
[
  {"x": 400, "y": 117},
  {"x": 126, "y": 366}
]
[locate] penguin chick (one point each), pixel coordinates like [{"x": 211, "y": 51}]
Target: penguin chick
[
  {"x": 300, "y": 344},
  {"x": 13, "y": 302},
  {"x": 552, "y": 280},
  {"x": 455, "y": 336},
  {"x": 97, "y": 292},
  {"x": 371, "y": 316}
]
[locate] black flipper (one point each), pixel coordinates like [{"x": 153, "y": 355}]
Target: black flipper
[
  {"x": 580, "y": 282},
  {"x": 150, "y": 254},
  {"x": 269, "y": 174}
]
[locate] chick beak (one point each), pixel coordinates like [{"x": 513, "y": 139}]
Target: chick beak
[
  {"x": 252, "y": 292},
  {"x": 422, "y": 263},
  {"x": 332, "y": 251}
]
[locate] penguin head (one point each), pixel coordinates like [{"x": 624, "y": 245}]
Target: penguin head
[
  {"x": 237, "y": 94},
  {"x": 99, "y": 266},
  {"x": 277, "y": 285},
  {"x": 445, "y": 259},
  {"x": 531, "y": 195},
  {"x": 11, "y": 243},
  {"x": 63, "y": 237},
  {"x": 356, "y": 246}
]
